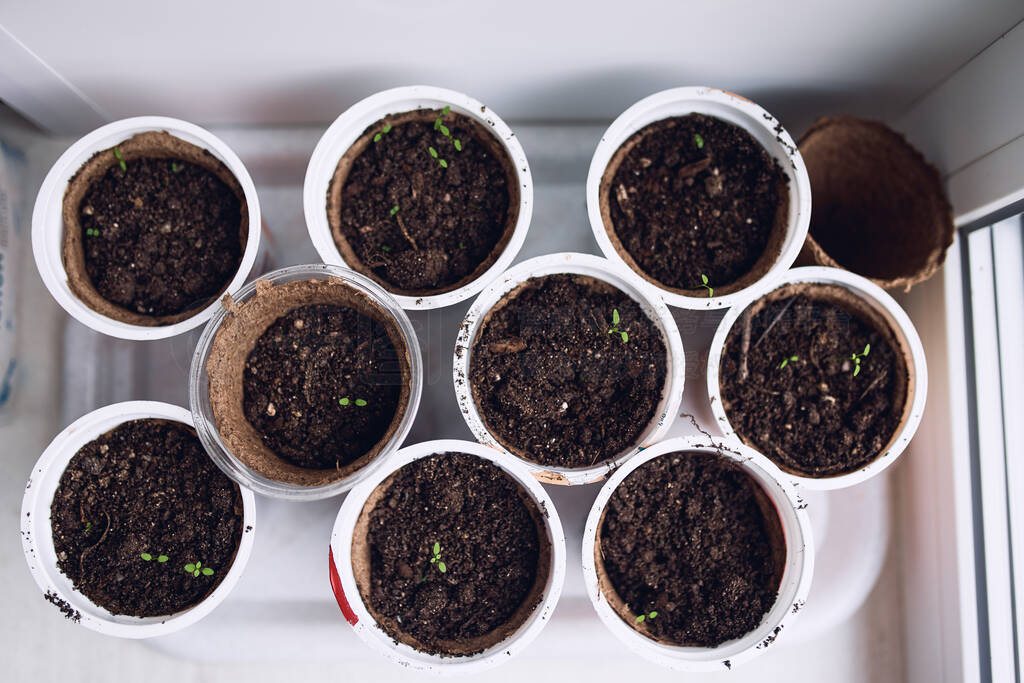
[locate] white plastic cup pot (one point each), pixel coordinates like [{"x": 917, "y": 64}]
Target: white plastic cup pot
[
  {"x": 348, "y": 127},
  {"x": 736, "y": 110},
  {"x": 202, "y": 408},
  {"x": 48, "y": 223},
  {"x": 793, "y": 588},
  {"x": 346, "y": 591},
  {"x": 908, "y": 345},
  {"x": 600, "y": 269},
  {"x": 37, "y": 535}
]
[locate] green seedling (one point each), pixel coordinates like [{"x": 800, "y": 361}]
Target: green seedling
[
  {"x": 159, "y": 558},
  {"x": 698, "y": 140},
  {"x": 462, "y": 245},
  {"x": 197, "y": 569},
  {"x": 787, "y": 361},
  {"x": 175, "y": 167},
  {"x": 385, "y": 247},
  {"x": 645, "y": 617},
  {"x": 383, "y": 131},
  {"x": 345, "y": 401},
  {"x": 394, "y": 210},
  {"x": 88, "y": 527},
  {"x": 92, "y": 232},
  {"x": 435, "y": 558},
  {"x": 120, "y": 159},
  {"x": 615, "y": 326},
  {"x": 707, "y": 285},
  {"x": 439, "y": 126},
  {"x": 857, "y": 357},
  {"x": 433, "y": 153}
]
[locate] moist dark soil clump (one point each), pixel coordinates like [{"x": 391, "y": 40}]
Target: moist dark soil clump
[
  {"x": 322, "y": 385},
  {"x": 554, "y": 384},
  {"x": 692, "y": 537},
  {"x": 423, "y": 221},
  {"x": 160, "y": 236},
  {"x": 486, "y": 540},
  {"x": 147, "y": 486},
  {"x": 695, "y": 195},
  {"x": 813, "y": 417}
]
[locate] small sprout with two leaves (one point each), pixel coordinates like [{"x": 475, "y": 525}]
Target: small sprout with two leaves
[
  {"x": 176, "y": 167},
  {"x": 856, "y": 358},
  {"x": 88, "y": 527},
  {"x": 462, "y": 245},
  {"x": 646, "y": 617},
  {"x": 92, "y": 232},
  {"x": 615, "y": 326},
  {"x": 120, "y": 159},
  {"x": 159, "y": 558},
  {"x": 788, "y": 360},
  {"x": 698, "y": 140},
  {"x": 706, "y": 284},
  {"x": 346, "y": 401},
  {"x": 383, "y": 247},
  {"x": 394, "y": 210},
  {"x": 197, "y": 569},
  {"x": 435, "y": 558},
  {"x": 433, "y": 153},
  {"x": 438, "y": 125},
  {"x": 383, "y": 131}
]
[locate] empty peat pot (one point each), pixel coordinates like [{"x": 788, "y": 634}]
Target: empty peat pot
[
  {"x": 825, "y": 375},
  {"x": 450, "y": 559},
  {"x": 305, "y": 381},
  {"x": 571, "y": 363},
  {"x": 128, "y": 527},
  {"x": 701, "y": 192},
  {"x": 424, "y": 190},
  {"x": 698, "y": 555},
  {"x": 141, "y": 225},
  {"x": 879, "y": 207}
]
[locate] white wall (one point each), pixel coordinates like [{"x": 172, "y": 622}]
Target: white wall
[{"x": 304, "y": 61}]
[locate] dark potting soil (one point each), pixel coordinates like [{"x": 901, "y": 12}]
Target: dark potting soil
[
  {"x": 814, "y": 416},
  {"x": 322, "y": 385},
  {"x": 160, "y": 241},
  {"x": 147, "y": 486},
  {"x": 487, "y": 546},
  {"x": 448, "y": 220},
  {"x": 683, "y": 536},
  {"x": 696, "y": 196},
  {"x": 554, "y": 384}
]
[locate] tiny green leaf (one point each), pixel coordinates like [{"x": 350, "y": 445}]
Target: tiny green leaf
[
  {"x": 462, "y": 245},
  {"x": 699, "y": 141},
  {"x": 437, "y": 548},
  {"x": 625, "y": 336},
  {"x": 442, "y": 567},
  {"x": 377, "y": 137},
  {"x": 444, "y": 164},
  {"x": 385, "y": 247},
  {"x": 394, "y": 209},
  {"x": 88, "y": 526},
  {"x": 161, "y": 559},
  {"x": 640, "y": 619},
  {"x": 458, "y": 144},
  {"x": 343, "y": 401},
  {"x": 147, "y": 557},
  {"x": 652, "y": 615},
  {"x": 615, "y": 316},
  {"x": 386, "y": 128},
  {"x": 447, "y": 109},
  {"x": 703, "y": 278},
  {"x": 360, "y": 402},
  {"x": 867, "y": 349},
  {"x": 175, "y": 167},
  {"x": 856, "y": 370},
  {"x": 120, "y": 159},
  {"x": 207, "y": 571},
  {"x": 433, "y": 152},
  {"x": 190, "y": 567},
  {"x": 444, "y": 130}
]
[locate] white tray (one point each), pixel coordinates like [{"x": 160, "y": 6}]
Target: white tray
[{"x": 283, "y": 608}]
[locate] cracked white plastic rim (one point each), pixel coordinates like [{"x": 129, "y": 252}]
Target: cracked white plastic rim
[
  {"x": 48, "y": 222},
  {"x": 739, "y": 111},
  {"x": 400, "y": 653},
  {"x": 621, "y": 278},
  {"x": 348, "y": 127},
  {"x": 793, "y": 588},
  {"x": 877, "y": 298},
  {"x": 37, "y": 535}
]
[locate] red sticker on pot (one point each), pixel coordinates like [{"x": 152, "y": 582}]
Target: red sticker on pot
[{"x": 339, "y": 593}]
